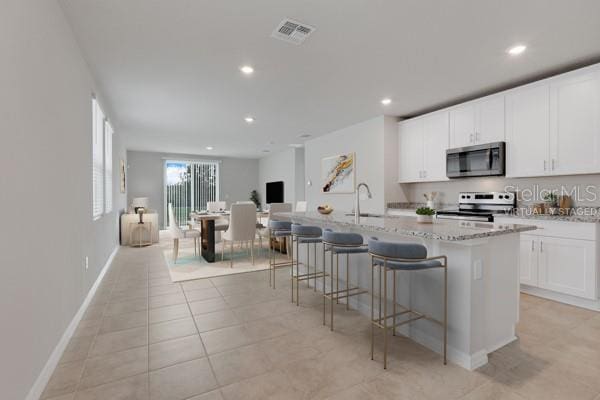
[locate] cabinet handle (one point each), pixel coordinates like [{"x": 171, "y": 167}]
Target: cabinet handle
[
  {"x": 476, "y": 136},
  {"x": 424, "y": 174},
  {"x": 545, "y": 162},
  {"x": 532, "y": 245},
  {"x": 471, "y": 138},
  {"x": 553, "y": 164},
  {"x": 541, "y": 246}
]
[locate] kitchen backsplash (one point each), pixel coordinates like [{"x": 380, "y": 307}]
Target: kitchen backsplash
[{"x": 583, "y": 189}]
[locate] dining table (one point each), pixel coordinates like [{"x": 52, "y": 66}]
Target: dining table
[{"x": 207, "y": 230}]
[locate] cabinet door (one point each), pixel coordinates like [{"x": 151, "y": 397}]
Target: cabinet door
[
  {"x": 575, "y": 123},
  {"x": 490, "y": 120},
  {"x": 568, "y": 266},
  {"x": 527, "y": 131},
  {"x": 528, "y": 260},
  {"x": 410, "y": 151},
  {"x": 435, "y": 144},
  {"x": 462, "y": 125}
]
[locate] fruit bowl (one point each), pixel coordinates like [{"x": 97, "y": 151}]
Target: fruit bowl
[{"x": 325, "y": 209}]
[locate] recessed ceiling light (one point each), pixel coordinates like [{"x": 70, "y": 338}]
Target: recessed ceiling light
[
  {"x": 304, "y": 136},
  {"x": 247, "y": 69},
  {"x": 516, "y": 50},
  {"x": 249, "y": 119},
  {"x": 386, "y": 101},
  {"x": 209, "y": 147},
  {"x": 296, "y": 145},
  {"x": 266, "y": 151}
]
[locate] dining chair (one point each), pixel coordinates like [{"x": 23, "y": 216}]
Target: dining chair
[
  {"x": 221, "y": 224},
  {"x": 242, "y": 228},
  {"x": 179, "y": 233}
]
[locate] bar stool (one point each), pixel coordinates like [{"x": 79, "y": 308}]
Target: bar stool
[
  {"x": 303, "y": 234},
  {"x": 340, "y": 243},
  {"x": 391, "y": 256},
  {"x": 281, "y": 230}
]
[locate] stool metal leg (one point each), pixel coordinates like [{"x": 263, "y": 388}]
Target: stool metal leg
[
  {"x": 324, "y": 290},
  {"x": 315, "y": 278},
  {"x": 337, "y": 277},
  {"x": 297, "y": 272},
  {"x": 372, "y": 305},
  {"x": 385, "y": 271},
  {"x": 394, "y": 297},
  {"x": 445, "y": 311},
  {"x": 347, "y": 281},
  {"x": 331, "y": 298},
  {"x": 292, "y": 271},
  {"x": 308, "y": 264}
]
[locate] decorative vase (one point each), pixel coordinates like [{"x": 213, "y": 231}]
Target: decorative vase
[
  {"x": 430, "y": 204},
  {"x": 425, "y": 219}
]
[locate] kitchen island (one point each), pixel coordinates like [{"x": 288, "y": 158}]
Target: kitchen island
[{"x": 483, "y": 278}]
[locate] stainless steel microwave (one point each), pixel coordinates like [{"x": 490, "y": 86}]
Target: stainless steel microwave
[{"x": 479, "y": 160}]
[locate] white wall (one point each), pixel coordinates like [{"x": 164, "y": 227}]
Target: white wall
[
  {"x": 45, "y": 159},
  {"x": 238, "y": 177},
  {"x": 367, "y": 139},
  {"x": 286, "y": 166}
]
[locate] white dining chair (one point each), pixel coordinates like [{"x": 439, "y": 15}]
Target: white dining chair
[
  {"x": 179, "y": 233},
  {"x": 221, "y": 224},
  {"x": 301, "y": 206},
  {"x": 242, "y": 228}
]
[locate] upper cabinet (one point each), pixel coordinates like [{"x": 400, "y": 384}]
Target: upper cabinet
[
  {"x": 527, "y": 128},
  {"x": 477, "y": 122},
  {"x": 422, "y": 148},
  {"x": 575, "y": 123},
  {"x": 553, "y": 126}
]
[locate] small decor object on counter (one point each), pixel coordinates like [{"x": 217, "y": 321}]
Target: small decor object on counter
[
  {"x": 551, "y": 203},
  {"x": 537, "y": 208},
  {"x": 564, "y": 203},
  {"x": 430, "y": 197},
  {"x": 425, "y": 215},
  {"x": 326, "y": 209}
]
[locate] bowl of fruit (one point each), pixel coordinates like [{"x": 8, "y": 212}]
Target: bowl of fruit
[{"x": 326, "y": 209}]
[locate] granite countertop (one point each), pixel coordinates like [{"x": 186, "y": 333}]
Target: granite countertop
[
  {"x": 577, "y": 214},
  {"x": 447, "y": 230}
]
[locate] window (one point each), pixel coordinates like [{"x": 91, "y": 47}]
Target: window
[
  {"x": 189, "y": 185},
  {"x": 108, "y": 167},
  {"x": 97, "y": 160},
  {"x": 102, "y": 136}
]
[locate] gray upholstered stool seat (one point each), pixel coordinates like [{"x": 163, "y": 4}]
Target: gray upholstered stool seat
[
  {"x": 393, "y": 257},
  {"x": 305, "y": 234},
  {"x": 340, "y": 243},
  {"x": 280, "y": 230}
]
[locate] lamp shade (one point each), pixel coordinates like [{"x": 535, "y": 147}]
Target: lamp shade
[{"x": 140, "y": 202}]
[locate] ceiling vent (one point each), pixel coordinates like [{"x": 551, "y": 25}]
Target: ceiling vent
[{"x": 292, "y": 31}]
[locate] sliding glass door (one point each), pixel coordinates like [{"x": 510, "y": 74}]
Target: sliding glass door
[{"x": 189, "y": 185}]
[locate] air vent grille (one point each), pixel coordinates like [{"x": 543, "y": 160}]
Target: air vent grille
[{"x": 292, "y": 31}]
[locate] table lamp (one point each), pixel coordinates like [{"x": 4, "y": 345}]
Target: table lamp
[{"x": 140, "y": 204}]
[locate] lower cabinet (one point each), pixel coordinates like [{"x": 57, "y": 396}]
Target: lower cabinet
[
  {"x": 567, "y": 266},
  {"x": 565, "y": 262}
]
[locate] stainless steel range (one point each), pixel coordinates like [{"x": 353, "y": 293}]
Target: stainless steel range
[{"x": 480, "y": 206}]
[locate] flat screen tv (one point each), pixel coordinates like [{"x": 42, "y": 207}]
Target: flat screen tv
[{"x": 275, "y": 192}]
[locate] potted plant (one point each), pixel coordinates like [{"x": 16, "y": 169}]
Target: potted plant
[
  {"x": 551, "y": 202},
  {"x": 255, "y": 198},
  {"x": 425, "y": 215}
]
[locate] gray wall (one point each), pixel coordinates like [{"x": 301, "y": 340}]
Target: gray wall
[
  {"x": 286, "y": 166},
  {"x": 238, "y": 176},
  {"x": 45, "y": 159}
]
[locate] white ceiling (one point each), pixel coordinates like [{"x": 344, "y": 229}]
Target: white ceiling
[{"x": 169, "y": 68}]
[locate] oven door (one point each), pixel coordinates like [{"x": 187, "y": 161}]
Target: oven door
[{"x": 480, "y": 160}]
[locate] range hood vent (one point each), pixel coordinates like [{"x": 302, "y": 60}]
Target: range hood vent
[{"x": 292, "y": 31}]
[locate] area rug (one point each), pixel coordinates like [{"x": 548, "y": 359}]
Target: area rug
[{"x": 190, "y": 266}]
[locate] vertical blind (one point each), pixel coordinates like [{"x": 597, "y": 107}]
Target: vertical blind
[
  {"x": 98, "y": 119},
  {"x": 189, "y": 185},
  {"x": 108, "y": 167}
]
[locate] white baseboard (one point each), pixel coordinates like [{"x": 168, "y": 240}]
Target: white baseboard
[
  {"x": 593, "y": 305},
  {"x": 42, "y": 380}
]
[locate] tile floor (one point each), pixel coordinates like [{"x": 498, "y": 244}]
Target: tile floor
[{"x": 233, "y": 337}]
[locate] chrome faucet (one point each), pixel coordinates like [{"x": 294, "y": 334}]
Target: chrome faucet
[{"x": 357, "y": 201}]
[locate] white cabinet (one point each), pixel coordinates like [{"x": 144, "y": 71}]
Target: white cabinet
[
  {"x": 567, "y": 266},
  {"x": 410, "y": 150},
  {"x": 553, "y": 127},
  {"x": 528, "y": 261},
  {"x": 575, "y": 123},
  {"x": 559, "y": 256},
  {"x": 422, "y": 146},
  {"x": 477, "y": 122},
  {"x": 527, "y": 131}
]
